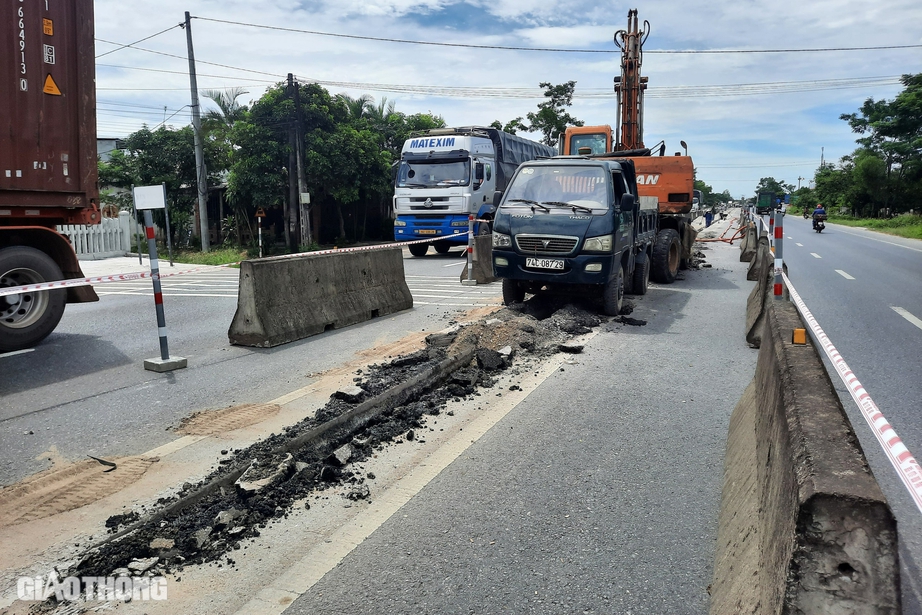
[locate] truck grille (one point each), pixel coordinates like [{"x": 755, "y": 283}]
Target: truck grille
[{"x": 546, "y": 244}]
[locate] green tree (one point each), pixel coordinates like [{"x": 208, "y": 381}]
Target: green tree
[
  {"x": 552, "y": 118},
  {"x": 888, "y": 165},
  {"x": 770, "y": 184},
  {"x": 512, "y": 126}
]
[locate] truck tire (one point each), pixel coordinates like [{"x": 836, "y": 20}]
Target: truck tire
[
  {"x": 28, "y": 318},
  {"x": 442, "y": 247},
  {"x": 419, "y": 249},
  {"x": 613, "y": 294},
  {"x": 641, "y": 278},
  {"x": 512, "y": 292},
  {"x": 667, "y": 252}
]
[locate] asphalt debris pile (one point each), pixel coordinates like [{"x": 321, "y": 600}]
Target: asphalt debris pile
[{"x": 259, "y": 485}]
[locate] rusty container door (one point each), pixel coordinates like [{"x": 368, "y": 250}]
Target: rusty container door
[{"x": 48, "y": 98}]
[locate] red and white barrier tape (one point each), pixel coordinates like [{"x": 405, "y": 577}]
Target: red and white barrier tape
[
  {"x": 121, "y": 277},
  {"x": 903, "y": 462}
]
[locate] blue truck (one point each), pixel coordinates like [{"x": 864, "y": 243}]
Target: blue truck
[
  {"x": 447, "y": 174},
  {"x": 576, "y": 225}
]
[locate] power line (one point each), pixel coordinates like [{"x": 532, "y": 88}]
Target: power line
[
  {"x": 179, "y": 72},
  {"x": 546, "y": 49},
  {"x": 134, "y": 43}
]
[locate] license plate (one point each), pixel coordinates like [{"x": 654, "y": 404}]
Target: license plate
[
  {"x": 544, "y": 263},
  {"x": 427, "y": 231}
]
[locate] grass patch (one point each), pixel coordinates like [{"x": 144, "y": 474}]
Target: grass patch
[
  {"x": 220, "y": 256},
  {"x": 901, "y": 226}
]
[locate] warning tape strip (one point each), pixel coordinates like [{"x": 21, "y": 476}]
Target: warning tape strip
[
  {"x": 903, "y": 462},
  {"x": 140, "y": 275}
]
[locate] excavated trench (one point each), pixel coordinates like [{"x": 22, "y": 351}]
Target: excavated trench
[{"x": 388, "y": 405}]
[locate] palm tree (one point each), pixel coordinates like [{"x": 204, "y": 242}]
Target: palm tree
[
  {"x": 229, "y": 110},
  {"x": 357, "y": 107}
]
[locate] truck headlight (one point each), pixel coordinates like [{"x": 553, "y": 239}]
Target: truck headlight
[
  {"x": 598, "y": 244},
  {"x": 399, "y": 222},
  {"x": 501, "y": 241}
]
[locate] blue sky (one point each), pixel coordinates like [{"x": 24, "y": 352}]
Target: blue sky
[{"x": 734, "y": 138}]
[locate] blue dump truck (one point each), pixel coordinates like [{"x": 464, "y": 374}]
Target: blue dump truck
[
  {"x": 446, "y": 174},
  {"x": 573, "y": 225}
]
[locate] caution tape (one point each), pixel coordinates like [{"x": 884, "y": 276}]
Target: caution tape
[
  {"x": 903, "y": 462},
  {"x": 141, "y": 275}
]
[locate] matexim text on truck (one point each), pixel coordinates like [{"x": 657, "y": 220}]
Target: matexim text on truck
[{"x": 447, "y": 174}]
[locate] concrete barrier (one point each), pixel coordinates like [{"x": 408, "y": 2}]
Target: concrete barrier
[
  {"x": 804, "y": 526},
  {"x": 763, "y": 251},
  {"x": 762, "y": 293},
  {"x": 286, "y": 299},
  {"x": 483, "y": 260},
  {"x": 749, "y": 244}
]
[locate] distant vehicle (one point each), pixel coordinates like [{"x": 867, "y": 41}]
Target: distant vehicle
[
  {"x": 446, "y": 174},
  {"x": 765, "y": 203},
  {"x": 48, "y": 168}
]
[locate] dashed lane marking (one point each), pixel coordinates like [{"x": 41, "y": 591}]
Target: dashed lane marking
[
  {"x": 799, "y": 244},
  {"x": 815, "y": 255},
  {"x": 844, "y": 275},
  {"x": 16, "y": 352},
  {"x": 907, "y": 315},
  {"x": 455, "y": 264}
]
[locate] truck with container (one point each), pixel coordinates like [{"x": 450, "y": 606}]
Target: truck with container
[
  {"x": 667, "y": 181},
  {"x": 445, "y": 175},
  {"x": 48, "y": 167},
  {"x": 765, "y": 203},
  {"x": 574, "y": 225}
]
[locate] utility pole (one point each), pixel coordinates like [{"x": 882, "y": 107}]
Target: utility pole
[
  {"x": 291, "y": 229},
  {"x": 799, "y": 179},
  {"x": 822, "y": 157},
  {"x": 304, "y": 205},
  {"x": 201, "y": 174}
]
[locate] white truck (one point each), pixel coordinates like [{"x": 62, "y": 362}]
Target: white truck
[{"x": 446, "y": 174}]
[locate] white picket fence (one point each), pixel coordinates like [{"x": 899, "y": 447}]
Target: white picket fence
[{"x": 112, "y": 237}]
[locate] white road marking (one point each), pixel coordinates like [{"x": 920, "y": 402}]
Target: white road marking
[
  {"x": 907, "y": 315},
  {"x": 815, "y": 255},
  {"x": 844, "y": 275},
  {"x": 455, "y": 264},
  {"x": 799, "y": 244},
  {"x": 16, "y": 352},
  {"x": 898, "y": 245}
]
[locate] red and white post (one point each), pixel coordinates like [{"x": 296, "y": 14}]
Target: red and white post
[
  {"x": 470, "y": 281},
  {"x": 779, "y": 260},
  {"x": 164, "y": 363}
]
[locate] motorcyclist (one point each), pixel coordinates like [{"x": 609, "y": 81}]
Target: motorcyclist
[{"x": 819, "y": 211}]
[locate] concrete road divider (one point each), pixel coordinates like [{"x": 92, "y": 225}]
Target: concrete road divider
[
  {"x": 763, "y": 253},
  {"x": 283, "y": 299},
  {"x": 749, "y": 244},
  {"x": 804, "y": 526},
  {"x": 762, "y": 292},
  {"x": 483, "y": 260}
]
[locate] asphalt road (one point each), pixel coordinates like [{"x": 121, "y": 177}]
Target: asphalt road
[
  {"x": 598, "y": 494},
  {"x": 84, "y": 391},
  {"x": 865, "y": 290}
]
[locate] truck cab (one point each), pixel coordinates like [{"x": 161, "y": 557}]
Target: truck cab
[{"x": 573, "y": 225}]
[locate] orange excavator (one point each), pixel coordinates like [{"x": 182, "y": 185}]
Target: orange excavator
[{"x": 666, "y": 181}]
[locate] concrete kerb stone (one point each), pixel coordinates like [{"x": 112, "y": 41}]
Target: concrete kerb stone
[
  {"x": 763, "y": 251},
  {"x": 804, "y": 526},
  {"x": 281, "y": 300},
  {"x": 483, "y": 260}
]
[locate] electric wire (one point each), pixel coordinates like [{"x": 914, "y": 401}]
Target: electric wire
[
  {"x": 547, "y": 49},
  {"x": 134, "y": 43}
]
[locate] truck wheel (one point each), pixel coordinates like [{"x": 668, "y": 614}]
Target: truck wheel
[
  {"x": 419, "y": 249},
  {"x": 613, "y": 294},
  {"x": 442, "y": 247},
  {"x": 641, "y": 278},
  {"x": 512, "y": 292},
  {"x": 485, "y": 228},
  {"x": 667, "y": 252},
  {"x": 28, "y": 318}
]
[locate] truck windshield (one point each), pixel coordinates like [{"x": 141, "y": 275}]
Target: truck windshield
[
  {"x": 583, "y": 187},
  {"x": 595, "y": 142},
  {"x": 434, "y": 173}
]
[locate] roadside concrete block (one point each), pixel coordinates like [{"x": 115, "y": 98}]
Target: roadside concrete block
[
  {"x": 283, "y": 299},
  {"x": 804, "y": 526},
  {"x": 483, "y": 260},
  {"x": 749, "y": 245}
]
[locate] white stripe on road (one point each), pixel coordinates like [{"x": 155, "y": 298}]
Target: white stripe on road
[
  {"x": 16, "y": 352},
  {"x": 907, "y": 315},
  {"x": 464, "y": 262},
  {"x": 815, "y": 255},
  {"x": 898, "y": 245},
  {"x": 799, "y": 244},
  {"x": 844, "y": 275}
]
